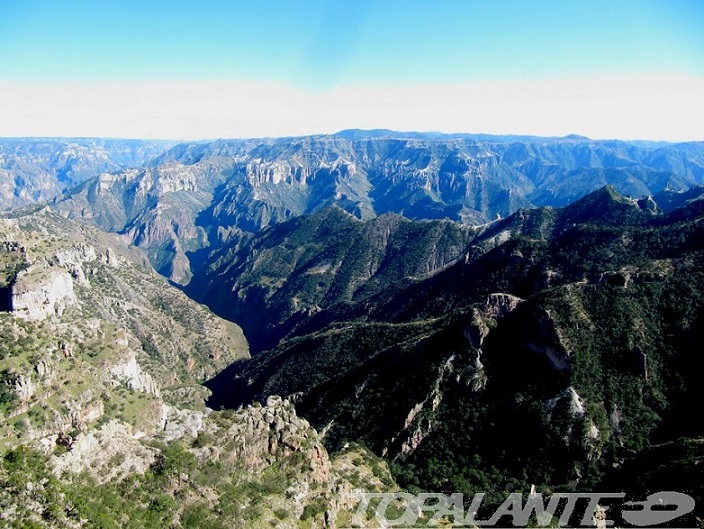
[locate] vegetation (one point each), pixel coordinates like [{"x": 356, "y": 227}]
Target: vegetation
[
  {"x": 487, "y": 360},
  {"x": 598, "y": 363}
]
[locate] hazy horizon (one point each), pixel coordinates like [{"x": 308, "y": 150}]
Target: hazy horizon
[{"x": 631, "y": 70}]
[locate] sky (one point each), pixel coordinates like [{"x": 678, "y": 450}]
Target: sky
[{"x": 187, "y": 69}]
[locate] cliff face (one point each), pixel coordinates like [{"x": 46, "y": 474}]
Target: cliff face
[
  {"x": 196, "y": 196},
  {"x": 38, "y": 169},
  {"x": 131, "y": 375},
  {"x": 39, "y": 293},
  {"x": 44, "y": 285}
]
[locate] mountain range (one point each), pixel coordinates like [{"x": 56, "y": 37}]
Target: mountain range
[
  {"x": 375, "y": 309},
  {"x": 38, "y": 169},
  {"x": 196, "y": 196},
  {"x": 480, "y": 359}
]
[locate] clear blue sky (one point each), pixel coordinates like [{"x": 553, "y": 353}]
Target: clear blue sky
[{"x": 314, "y": 49}]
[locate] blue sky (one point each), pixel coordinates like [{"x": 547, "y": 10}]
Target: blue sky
[{"x": 190, "y": 69}]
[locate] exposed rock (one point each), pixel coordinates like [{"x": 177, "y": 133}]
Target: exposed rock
[
  {"x": 615, "y": 419},
  {"x": 131, "y": 375},
  {"x": 500, "y": 305},
  {"x": 478, "y": 378},
  {"x": 111, "y": 258},
  {"x": 179, "y": 423},
  {"x": 85, "y": 415},
  {"x": 39, "y": 293},
  {"x": 575, "y": 405},
  {"x": 424, "y": 423},
  {"x": 72, "y": 260},
  {"x": 592, "y": 438},
  {"x": 549, "y": 342},
  {"x": 64, "y": 440},
  {"x": 24, "y": 388},
  {"x": 107, "y": 453},
  {"x": 42, "y": 369},
  {"x": 263, "y": 434},
  {"x": 564, "y": 411}
]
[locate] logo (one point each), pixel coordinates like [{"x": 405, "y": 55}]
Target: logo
[{"x": 404, "y": 510}]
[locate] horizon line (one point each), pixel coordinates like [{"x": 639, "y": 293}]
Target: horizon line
[{"x": 392, "y": 134}]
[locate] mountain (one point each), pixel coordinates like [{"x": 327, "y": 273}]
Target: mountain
[
  {"x": 35, "y": 170},
  {"x": 158, "y": 207},
  {"x": 413, "y": 320},
  {"x": 553, "y": 349},
  {"x": 197, "y": 196},
  {"x": 293, "y": 270},
  {"x": 102, "y": 416},
  {"x": 670, "y": 199},
  {"x": 74, "y": 295}
]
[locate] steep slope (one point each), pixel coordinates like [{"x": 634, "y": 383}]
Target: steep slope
[
  {"x": 671, "y": 199},
  {"x": 77, "y": 296},
  {"x": 198, "y": 195},
  {"x": 574, "y": 328},
  {"x": 157, "y": 206},
  {"x": 38, "y": 169},
  {"x": 293, "y": 270},
  {"x": 102, "y": 416}
]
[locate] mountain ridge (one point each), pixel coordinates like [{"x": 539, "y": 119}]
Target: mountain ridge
[
  {"x": 199, "y": 195},
  {"x": 441, "y": 345},
  {"x": 526, "y": 333},
  {"x": 35, "y": 170}
]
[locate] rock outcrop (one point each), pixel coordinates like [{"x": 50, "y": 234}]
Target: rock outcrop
[
  {"x": 254, "y": 437},
  {"x": 131, "y": 375},
  {"x": 39, "y": 293},
  {"x": 500, "y": 305},
  {"x": 110, "y": 452},
  {"x": 263, "y": 434},
  {"x": 181, "y": 423}
]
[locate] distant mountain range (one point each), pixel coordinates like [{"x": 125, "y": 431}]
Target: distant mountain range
[
  {"x": 198, "y": 195},
  {"x": 38, "y": 169}
]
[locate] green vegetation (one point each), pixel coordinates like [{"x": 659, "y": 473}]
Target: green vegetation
[
  {"x": 175, "y": 491},
  {"x": 389, "y": 334},
  {"x": 597, "y": 364}
]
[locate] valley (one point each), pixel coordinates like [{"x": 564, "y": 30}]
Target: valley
[{"x": 367, "y": 310}]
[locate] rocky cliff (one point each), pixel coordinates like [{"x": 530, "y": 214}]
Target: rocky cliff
[
  {"x": 199, "y": 195},
  {"x": 38, "y": 169},
  {"x": 85, "y": 317},
  {"x": 38, "y": 293},
  {"x": 102, "y": 411}
]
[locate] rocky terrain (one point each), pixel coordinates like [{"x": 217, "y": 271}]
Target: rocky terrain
[
  {"x": 413, "y": 318},
  {"x": 34, "y": 170},
  {"x": 101, "y": 391},
  {"x": 522, "y": 333},
  {"x": 197, "y": 196}
]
